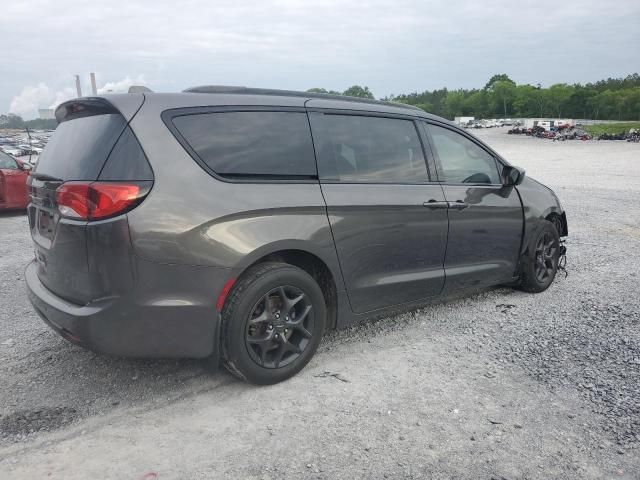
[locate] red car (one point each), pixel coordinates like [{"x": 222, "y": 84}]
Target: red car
[{"x": 13, "y": 183}]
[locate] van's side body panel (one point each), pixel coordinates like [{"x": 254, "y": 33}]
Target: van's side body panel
[
  {"x": 192, "y": 218},
  {"x": 151, "y": 278}
]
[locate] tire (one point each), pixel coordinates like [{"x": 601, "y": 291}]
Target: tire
[
  {"x": 261, "y": 346},
  {"x": 540, "y": 264}
]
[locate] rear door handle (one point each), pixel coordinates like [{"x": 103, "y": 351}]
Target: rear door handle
[
  {"x": 458, "y": 205},
  {"x": 435, "y": 204}
]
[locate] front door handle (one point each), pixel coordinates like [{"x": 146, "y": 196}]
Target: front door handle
[
  {"x": 458, "y": 205},
  {"x": 434, "y": 204}
]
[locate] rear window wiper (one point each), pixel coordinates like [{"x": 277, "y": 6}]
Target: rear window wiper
[{"x": 45, "y": 177}]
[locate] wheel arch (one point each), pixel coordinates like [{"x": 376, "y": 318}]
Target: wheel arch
[
  {"x": 559, "y": 219},
  {"x": 310, "y": 262},
  {"x": 533, "y": 223}
]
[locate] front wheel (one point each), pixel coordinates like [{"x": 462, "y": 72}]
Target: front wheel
[
  {"x": 541, "y": 260},
  {"x": 272, "y": 323}
]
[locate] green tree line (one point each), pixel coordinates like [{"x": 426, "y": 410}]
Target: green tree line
[
  {"x": 501, "y": 97},
  {"x": 15, "y": 121}
]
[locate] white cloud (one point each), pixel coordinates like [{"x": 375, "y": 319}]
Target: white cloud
[
  {"x": 33, "y": 97},
  {"x": 121, "y": 86},
  {"x": 391, "y": 46},
  {"x": 62, "y": 96}
]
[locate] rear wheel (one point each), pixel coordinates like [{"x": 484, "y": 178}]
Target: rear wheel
[
  {"x": 541, "y": 260},
  {"x": 272, "y": 323}
]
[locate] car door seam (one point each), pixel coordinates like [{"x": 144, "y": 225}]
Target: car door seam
[{"x": 326, "y": 211}]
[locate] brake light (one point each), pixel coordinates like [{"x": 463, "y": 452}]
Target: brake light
[{"x": 99, "y": 200}]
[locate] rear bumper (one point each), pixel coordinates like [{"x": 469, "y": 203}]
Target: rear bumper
[{"x": 132, "y": 326}]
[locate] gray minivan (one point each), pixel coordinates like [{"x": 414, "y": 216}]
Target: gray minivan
[{"x": 241, "y": 224}]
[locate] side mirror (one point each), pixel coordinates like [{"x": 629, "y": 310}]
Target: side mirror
[
  {"x": 26, "y": 166},
  {"x": 512, "y": 176}
]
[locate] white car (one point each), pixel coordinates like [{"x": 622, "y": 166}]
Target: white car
[{"x": 13, "y": 151}]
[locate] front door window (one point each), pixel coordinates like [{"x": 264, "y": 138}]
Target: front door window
[{"x": 461, "y": 160}]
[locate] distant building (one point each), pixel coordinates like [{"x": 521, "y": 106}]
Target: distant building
[{"x": 46, "y": 113}]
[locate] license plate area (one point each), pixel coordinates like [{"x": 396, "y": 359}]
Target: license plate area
[{"x": 46, "y": 223}]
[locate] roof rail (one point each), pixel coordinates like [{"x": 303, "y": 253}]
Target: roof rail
[{"x": 291, "y": 93}]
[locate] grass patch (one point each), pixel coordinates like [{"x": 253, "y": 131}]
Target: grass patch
[{"x": 611, "y": 128}]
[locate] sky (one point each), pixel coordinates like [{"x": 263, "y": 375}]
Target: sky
[{"x": 392, "y": 47}]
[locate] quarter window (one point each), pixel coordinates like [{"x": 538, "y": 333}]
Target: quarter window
[
  {"x": 461, "y": 160},
  {"x": 251, "y": 144},
  {"x": 368, "y": 149}
]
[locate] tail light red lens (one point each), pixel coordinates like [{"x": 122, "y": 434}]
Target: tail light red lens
[{"x": 99, "y": 200}]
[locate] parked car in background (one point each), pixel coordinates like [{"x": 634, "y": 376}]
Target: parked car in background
[
  {"x": 13, "y": 150},
  {"x": 30, "y": 149},
  {"x": 13, "y": 183},
  {"x": 242, "y": 224}
]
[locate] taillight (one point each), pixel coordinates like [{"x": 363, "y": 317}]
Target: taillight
[{"x": 99, "y": 200}]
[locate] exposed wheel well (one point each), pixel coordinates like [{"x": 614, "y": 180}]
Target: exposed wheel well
[
  {"x": 560, "y": 222},
  {"x": 315, "y": 267}
]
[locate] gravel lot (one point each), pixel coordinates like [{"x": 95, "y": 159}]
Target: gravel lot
[{"x": 502, "y": 384}]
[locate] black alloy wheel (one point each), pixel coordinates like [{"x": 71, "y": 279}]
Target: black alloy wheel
[
  {"x": 546, "y": 257},
  {"x": 279, "y": 327},
  {"x": 272, "y": 323},
  {"x": 540, "y": 261}
]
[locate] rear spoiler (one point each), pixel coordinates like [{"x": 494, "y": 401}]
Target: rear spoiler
[
  {"x": 127, "y": 104},
  {"x": 83, "y": 107}
]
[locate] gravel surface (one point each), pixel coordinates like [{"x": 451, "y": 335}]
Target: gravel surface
[{"x": 501, "y": 384}]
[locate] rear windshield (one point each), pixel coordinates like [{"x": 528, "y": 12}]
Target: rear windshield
[
  {"x": 251, "y": 144},
  {"x": 79, "y": 147}
]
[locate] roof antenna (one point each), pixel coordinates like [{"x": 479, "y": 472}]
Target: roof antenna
[{"x": 139, "y": 89}]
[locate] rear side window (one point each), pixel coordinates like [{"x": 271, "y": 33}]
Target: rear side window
[
  {"x": 461, "y": 160},
  {"x": 367, "y": 149},
  {"x": 251, "y": 144},
  {"x": 79, "y": 147}
]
